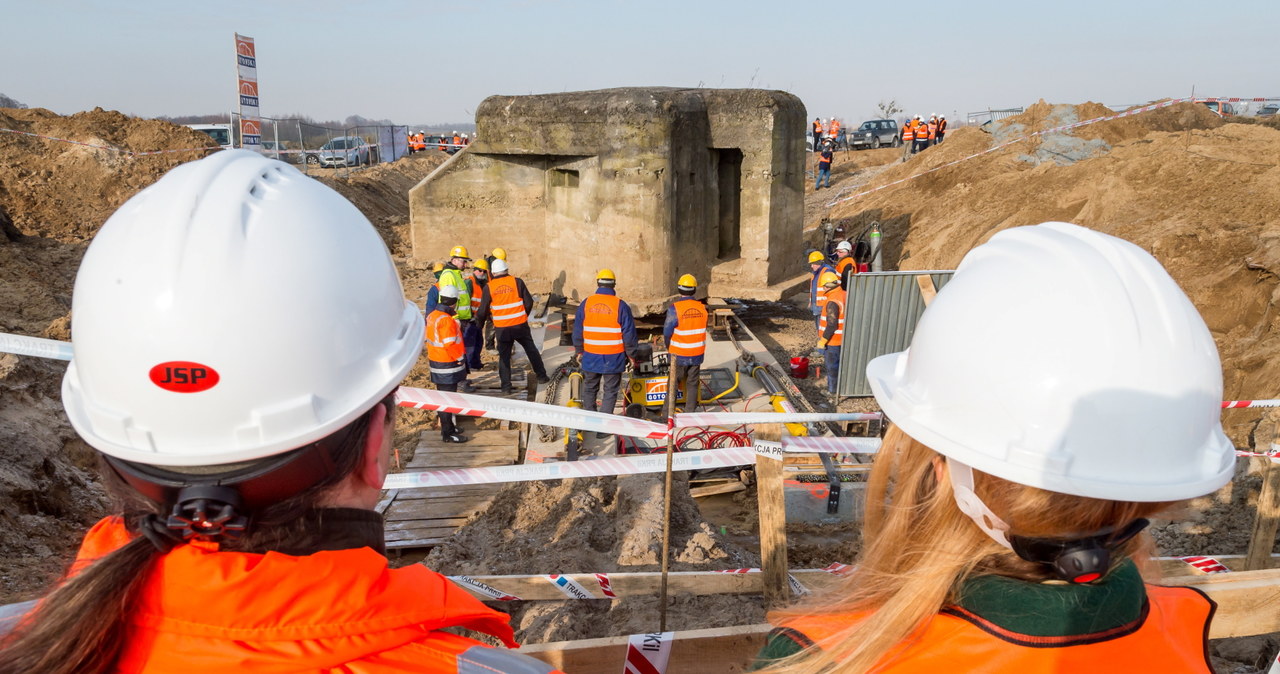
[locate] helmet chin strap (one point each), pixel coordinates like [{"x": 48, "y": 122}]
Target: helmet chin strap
[{"x": 969, "y": 503}]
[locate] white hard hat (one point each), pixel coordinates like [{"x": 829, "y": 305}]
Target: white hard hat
[
  {"x": 449, "y": 290},
  {"x": 499, "y": 266},
  {"x": 844, "y": 245},
  {"x": 1069, "y": 360},
  {"x": 917, "y": 116},
  {"x": 234, "y": 310}
]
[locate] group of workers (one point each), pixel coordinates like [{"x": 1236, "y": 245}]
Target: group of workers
[
  {"x": 418, "y": 142},
  {"x": 918, "y": 134},
  {"x": 828, "y": 284},
  {"x": 467, "y": 312},
  {"x": 829, "y": 129},
  {"x": 240, "y": 388}
]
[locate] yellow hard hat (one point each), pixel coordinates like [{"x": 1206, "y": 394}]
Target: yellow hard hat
[
  {"x": 816, "y": 256},
  {"x": 606, "y": 277},
  {"x": 460, "y": 251},
  {"x": 481, "y": 264},
  {"x": 828, "y": 277},
  {"x": 437, "y": 267},
  {"x": 500, "y": 253},
  {"x": 687, "y": 282}
]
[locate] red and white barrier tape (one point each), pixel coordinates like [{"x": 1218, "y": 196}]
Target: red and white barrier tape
[
  {"x": 830, "y": 445},
  {"x": 1206, "y": 564},
  {"x": 1246, "y": 404},
  {"x": 595, "y": 467},
  {"x": 570, "y": 587},
  {"x": 648, "y": 653},
  {"x": 606, "y": 588},
  {"x": 473, "y": 405},
  {"x": 35, "y": 346},
  {"x": 483, "y": 589},
  {"x": 1065, "y": 127}
]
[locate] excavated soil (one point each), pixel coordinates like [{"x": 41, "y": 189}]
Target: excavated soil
[{"x": 1202, "y": 195}]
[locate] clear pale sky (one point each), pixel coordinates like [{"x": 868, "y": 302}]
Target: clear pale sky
[{"x": 433, "y": 62}]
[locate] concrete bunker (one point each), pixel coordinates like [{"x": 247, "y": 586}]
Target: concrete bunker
[{"x": 649, "y": 182}]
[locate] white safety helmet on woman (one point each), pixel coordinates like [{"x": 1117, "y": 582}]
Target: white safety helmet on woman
[
  {"x": 1065, "y": 359},
  {"x": 234, "y": 310}
]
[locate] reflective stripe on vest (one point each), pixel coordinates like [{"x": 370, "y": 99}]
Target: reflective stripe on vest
[
  {"x": 908, "y": 132},
  {"x": 690, "y": 336},
  {"x": 837, "y": 339},
  {"x": 817, "y": 127},
  {"x": 477, "y": 298},
  {"x": 601, "y": 330},
  {"x": 506, "y": 304},
  {"x": 933, "y": 129},
  {"x": 1170, "y": 637},
  {"x": 444, "y": 342}
]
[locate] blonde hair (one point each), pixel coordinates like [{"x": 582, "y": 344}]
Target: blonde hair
[{"x": 919, "y": 548}]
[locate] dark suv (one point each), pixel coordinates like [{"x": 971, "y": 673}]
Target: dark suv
[{"x": 875, "y": 133}]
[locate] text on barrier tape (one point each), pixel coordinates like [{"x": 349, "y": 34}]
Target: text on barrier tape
[
  {"x": 483, "y": 589},
  {"x": 570, "y": 587},
  {"x": 648, "y": 653},
  {"x": 601, "y": 467}
]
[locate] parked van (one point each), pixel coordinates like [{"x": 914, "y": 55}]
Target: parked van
[{"x": 220, "y": 133}]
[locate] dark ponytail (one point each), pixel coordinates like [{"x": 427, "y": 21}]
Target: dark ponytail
[{"x": 79, "y": 628}]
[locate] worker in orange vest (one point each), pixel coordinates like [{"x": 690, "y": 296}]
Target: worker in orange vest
[
  {"x": 831, "y": 327},
  {"x": 1011, "y": 543},
  {"x": 508, "y": 302},
  {"x": 445, "y": 355},
  {"x": 908, "y": 139},
  {"x": 822, "y": 176},
  {"x": 243, "y": 535},
  {"x": 834, "y": 133},
  {"x": 604, "y": 338},
  {"x": 817, "y": 133},
  {"x": 942, "y": 128},
  {"x": 685, "y": 331},
  {"x": 933, "y": 129},
  {"x": 845, "y": 264},
  {"x": 922, "y": 135},
  {"x": 817, "y": 295}
]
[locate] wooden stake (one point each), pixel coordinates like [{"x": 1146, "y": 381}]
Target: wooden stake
[
  {"x": 1267, "y": 519},
  {"x": 666, "y": 489},
  {"x": 773, "y": 521},
  {"x": 927, "y": 290}
]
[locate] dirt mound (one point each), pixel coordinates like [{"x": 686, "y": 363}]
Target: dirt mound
[
  {"x": 1204, "y": 199},
  {"x": 593, "y": 525},
  {"x": 53, "y": 198}
]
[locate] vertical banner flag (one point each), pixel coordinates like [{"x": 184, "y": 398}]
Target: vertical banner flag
[{"x": 247, "y": 79}]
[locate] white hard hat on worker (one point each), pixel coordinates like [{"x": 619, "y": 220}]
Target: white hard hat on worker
[
  {"x": 234, "y": 310},
  {"x": 1065, "y": 359}
]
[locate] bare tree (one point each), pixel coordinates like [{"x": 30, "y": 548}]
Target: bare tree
[
  {"x": 888, "y": 108},
  {"x": 6, "y": 102}
]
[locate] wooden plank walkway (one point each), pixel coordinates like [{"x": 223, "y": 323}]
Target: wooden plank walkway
[{"x": 424, "y": 517}]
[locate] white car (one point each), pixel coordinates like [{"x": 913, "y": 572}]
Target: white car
[{"x": 344, "y": 151}]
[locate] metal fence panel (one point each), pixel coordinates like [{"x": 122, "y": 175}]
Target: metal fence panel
[{"x": 881, "y": 313}]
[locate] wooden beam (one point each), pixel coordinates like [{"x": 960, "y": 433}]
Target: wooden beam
[
  {"x": 1247, "y": 601},
  {"x": 1267, "y": 519},
  {"x": 927, "y": 291},
  {"x": 724, "y": 649},
  {"x": 713, "y": 489},
  {"x": 773, "y": 521}
]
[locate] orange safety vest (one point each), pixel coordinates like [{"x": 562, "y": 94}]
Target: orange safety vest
[
  {"x": 690, "y": 336},
  {"x": 942, "y": 126},
  {"x": 477, "y": 295},
  {"x": 835, "y": 128},
  {"x": 837, "y": 295},
  {"x": 845, "y": 263},
  {"x": 201, "y": 611},
  {"x": 908, "y": 132},
  {"x": 1170, "y": 638},
  {"x": 601, "y": 330},
  {"x": 933, "y": 130},
  {"x": 444, "y": 342},
  {"x": 457, "y": 140},
  {"x": 506, "y": 306},
  {"x": 817, "y": 127}
]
